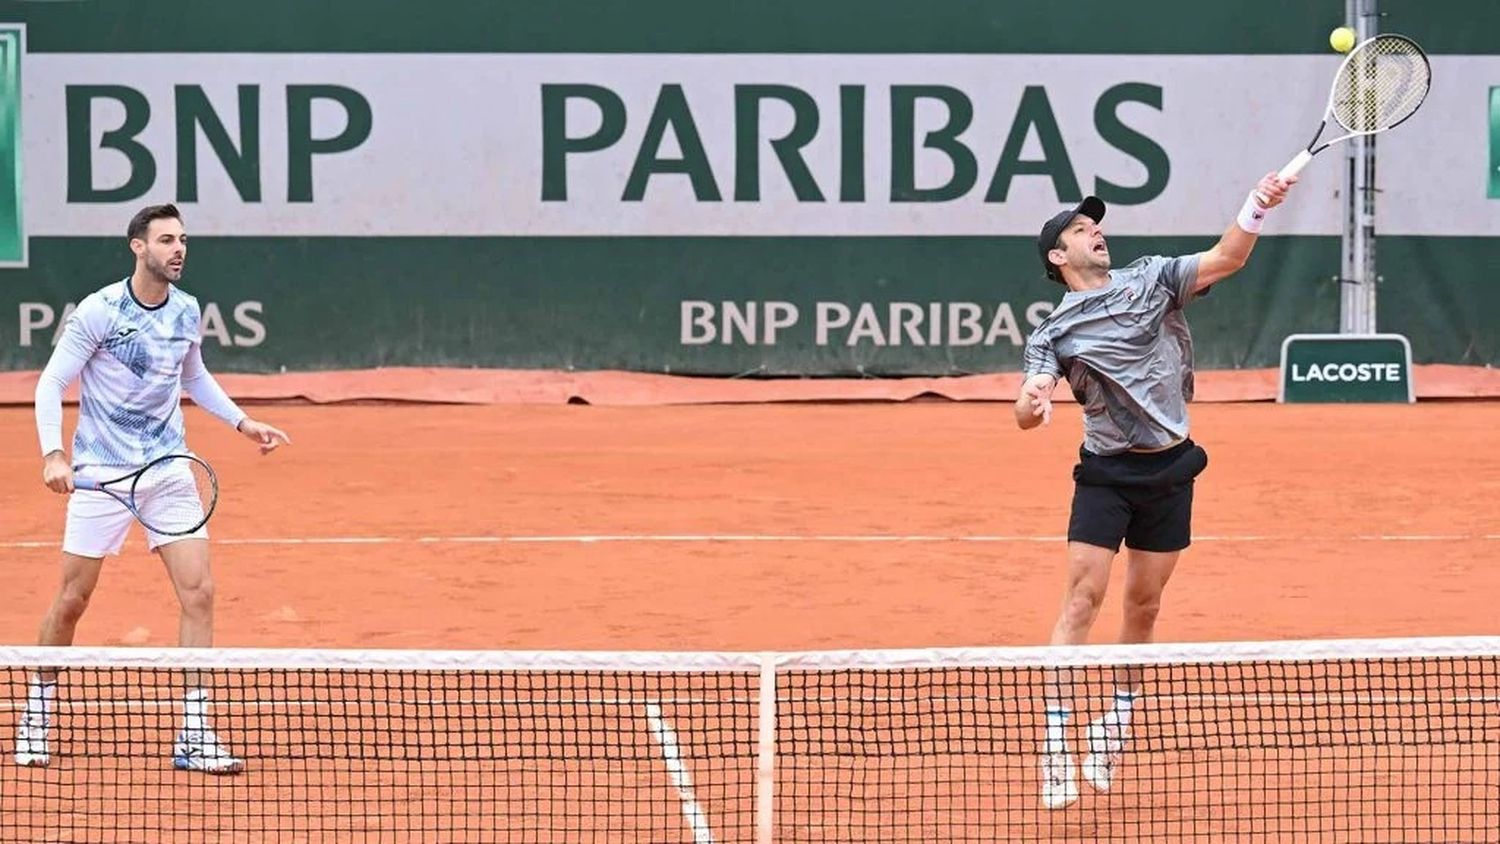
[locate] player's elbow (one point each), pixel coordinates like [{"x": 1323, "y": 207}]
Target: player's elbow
[
  {"x": 1221, "y": 267},
  {"x": 1222, "y": 262}
]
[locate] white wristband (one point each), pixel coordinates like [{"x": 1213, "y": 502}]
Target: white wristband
[{"x": 1252, "y": 215}]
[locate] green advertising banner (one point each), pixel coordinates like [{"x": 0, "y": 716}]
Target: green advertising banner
[
  {"x": 1346, "y": 368},
  {"x": 788, "y": 188},
  {"x": 722, "y": 306}
]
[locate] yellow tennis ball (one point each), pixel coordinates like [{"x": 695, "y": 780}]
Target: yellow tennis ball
[{"x": 1341, "y": 39}]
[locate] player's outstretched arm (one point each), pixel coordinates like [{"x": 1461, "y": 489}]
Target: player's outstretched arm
[
  {"x": 1233, "y": 249},
  {"x": 205, "y": 391}
]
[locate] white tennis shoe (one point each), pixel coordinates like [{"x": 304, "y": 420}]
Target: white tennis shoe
[
  {"x": 1106, "y": 740},
  {"x": 200, "y": 750},
  {"x": 31, "y": 741},
  {"x": 1059, "y": 780}
]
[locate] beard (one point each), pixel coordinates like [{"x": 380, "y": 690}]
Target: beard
[
  {"x": 161, "y": 270},
  {"x": 1096, "y": 261}
]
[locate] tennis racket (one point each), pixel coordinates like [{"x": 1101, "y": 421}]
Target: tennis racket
[
  {"x": 172, "y": 495},
  {"x": 1380, "y": 84}
]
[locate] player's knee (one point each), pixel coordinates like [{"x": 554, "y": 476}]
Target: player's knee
[
  {"x": 1142, "y": 605},
  {"x": 1084, "y": 600},
  {"x": 198, "y": 599},
  {"x": 71, "y": 603}
]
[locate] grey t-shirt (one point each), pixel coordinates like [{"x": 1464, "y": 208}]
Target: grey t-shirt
[{"x": 1127, "y": 353}]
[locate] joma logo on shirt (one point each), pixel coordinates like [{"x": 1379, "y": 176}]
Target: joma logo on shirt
[{"x": 121, "y": 336}]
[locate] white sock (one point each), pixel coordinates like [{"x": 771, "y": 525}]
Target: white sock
[
  {"x": 1057, "y": 730},
  {"x": 195, "y": 711},
  {"x": 40, "y": 696},
  {"x": 1120, "y": 713}
]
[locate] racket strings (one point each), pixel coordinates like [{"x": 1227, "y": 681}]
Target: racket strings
[
  {"x": 175, "y": 496},
  {"x": 1381, "y": 84}
]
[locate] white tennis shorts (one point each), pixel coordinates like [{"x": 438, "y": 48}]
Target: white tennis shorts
[{"x": 97, "y": 524}]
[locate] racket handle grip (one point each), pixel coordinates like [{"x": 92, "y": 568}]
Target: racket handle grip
[
  {"x": 1291, "y": 169},
  {"x": 1295, "y": 166},
  {"x": 84, "y": 483}
]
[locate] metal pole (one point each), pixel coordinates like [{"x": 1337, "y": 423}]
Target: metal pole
[
  {"x": 1352, "y": 257},
  {"x": 1358, "y": 276}
]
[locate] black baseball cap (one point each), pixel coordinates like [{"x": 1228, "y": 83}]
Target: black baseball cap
[{"x": 1091, "y": 207}]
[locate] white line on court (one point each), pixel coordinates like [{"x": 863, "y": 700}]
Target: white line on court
[
  {"x": 682, "y": 778},
  {"x": 1415, "y": 537},
  {"x": 710, "y": 538}
]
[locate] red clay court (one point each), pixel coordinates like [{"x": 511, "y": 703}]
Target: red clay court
[{"x": 792, "y": 527}]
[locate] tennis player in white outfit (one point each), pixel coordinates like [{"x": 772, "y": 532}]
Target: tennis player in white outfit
[{"x": 136, "y": 345}]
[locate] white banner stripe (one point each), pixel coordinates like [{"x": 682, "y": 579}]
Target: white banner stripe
[{"x": 1204, "y": 128}]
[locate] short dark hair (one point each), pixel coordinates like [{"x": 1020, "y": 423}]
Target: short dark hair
[{"x": 142, "y": 219}]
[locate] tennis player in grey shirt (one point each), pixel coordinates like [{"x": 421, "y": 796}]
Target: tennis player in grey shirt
[{"x": 1120, "y": 337}]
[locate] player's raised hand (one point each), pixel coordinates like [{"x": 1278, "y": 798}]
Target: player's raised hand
[
  {"x": 1272, "y": 189},
  {"x": 267, "y": 437},
  {"x": 56, "y": 473}
]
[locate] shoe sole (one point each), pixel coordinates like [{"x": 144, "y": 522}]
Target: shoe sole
[
  {"x": 184, "y": 763},
  {"x": 33, "y": 760},
  {"x": 1054, "y": 805}
]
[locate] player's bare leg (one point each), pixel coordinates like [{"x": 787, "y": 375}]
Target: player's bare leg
[
  {"x": 1145, "y": 579},
  {"x": 80, "y": 576},
  {"x": 197, "y": 747},
  {"x": 187, "y": 565},
  {"x": 1088, "y": 578}
]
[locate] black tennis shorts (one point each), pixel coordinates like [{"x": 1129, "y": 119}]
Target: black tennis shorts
[{"x": 1144, "y": 500}]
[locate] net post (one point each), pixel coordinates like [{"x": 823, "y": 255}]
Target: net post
[{"x": 765, "y": 763}]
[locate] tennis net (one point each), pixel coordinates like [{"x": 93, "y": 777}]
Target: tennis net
[{"x": 1350, "y": 740}]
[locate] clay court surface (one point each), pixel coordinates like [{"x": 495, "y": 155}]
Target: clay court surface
[{"x": 781, "y": 526}]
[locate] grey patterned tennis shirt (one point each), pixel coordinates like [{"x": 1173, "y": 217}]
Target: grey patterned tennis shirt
[{"x": 1127, "y": 353}]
